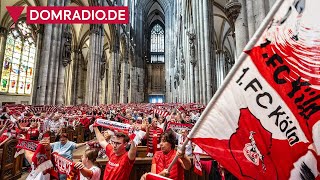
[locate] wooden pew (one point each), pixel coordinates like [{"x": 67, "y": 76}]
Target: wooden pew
[
  {"x": 142, "y": 151},
  {"x": 11, "y": 168},
  {"x": 70, "y": 132},
  {"x": 78, "y": 134}
]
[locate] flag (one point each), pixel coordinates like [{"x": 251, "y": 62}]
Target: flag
[
  {"x": 152, "y": 176},
  {"x": 263, "y": 123},
  {"x": 197, "y": 164}
]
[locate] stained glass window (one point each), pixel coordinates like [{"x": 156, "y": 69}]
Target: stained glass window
[
  {"x": 18, "y": 63},
  {"x": 157, "y": 44}
]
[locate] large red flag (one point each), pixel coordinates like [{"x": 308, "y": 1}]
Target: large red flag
[{"x": 264, "y": 122}]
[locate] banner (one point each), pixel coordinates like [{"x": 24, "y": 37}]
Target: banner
[
  {"x": 264, "y": 121},
  {"x": 179, "y": 126},
  {"x": 161, "y": 113},
  {"x": 197, "y": 164},
  {"x": 27, "y": 144},
  {"x": 65, "y": 166},
  {"x": 121, "y": 127}
]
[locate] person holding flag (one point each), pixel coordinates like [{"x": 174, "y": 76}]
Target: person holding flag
[
  {"x": 163, "y": 159},
  {"x": 120, "y": 161}
]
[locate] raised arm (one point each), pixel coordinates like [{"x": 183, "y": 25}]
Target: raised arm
[
  {"x": 132, "y": 151},
  {"x": 4, "y": 128},
  {"x": 80, "y": 145},
  {"x": 103, "y": 143},
  {"x": 3, "y": 142},
  {"x": 84, "y": 171}
]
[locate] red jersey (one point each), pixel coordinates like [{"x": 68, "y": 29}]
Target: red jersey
[
  {"x": 118, "y": 167},
  {"x": 154, "y": 139},
  {"x": 163, "y": 161},
  {"x": 32, "y": 134},
  {"x": 85, "y": 122},
  {"x": 3, "y": 136}
]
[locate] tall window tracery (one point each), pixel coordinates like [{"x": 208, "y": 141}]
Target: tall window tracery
[
  {"x": 157, "y": 44},
  {"x": 19, "y": 59}
]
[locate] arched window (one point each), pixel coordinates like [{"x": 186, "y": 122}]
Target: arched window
[
  {"x": 18, "y": 63},
  {"x": 157, "y": 44}
]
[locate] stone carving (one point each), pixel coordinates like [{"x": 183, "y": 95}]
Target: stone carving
[
  {"x": 182, "y": 64},
  {"x": 103, "y": 65},
  {"x": 176, "y": 81},
  {"x": 66, "y": 53},
  {"x": 233, "y": 9},
  {"x": 192, "y": 37}
]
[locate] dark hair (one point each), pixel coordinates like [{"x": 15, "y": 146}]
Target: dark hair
[
  {"x": 65, "y": 135},
  {"x": 123, "y": 135},
  {"x": 169, "y": 137}
]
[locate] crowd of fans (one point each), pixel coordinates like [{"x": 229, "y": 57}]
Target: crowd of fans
[{"x": 34, "y": 123}]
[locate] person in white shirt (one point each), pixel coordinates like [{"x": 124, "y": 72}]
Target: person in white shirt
[
  {"x": 88, "y": 171},
  {"x": 181, "y": 138}
]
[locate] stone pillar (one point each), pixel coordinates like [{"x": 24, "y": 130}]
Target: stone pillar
[
  {"x": 37, "y": 64},
  {"x": 192, "y": 51},
  {"x": 220, "y": 65},
  {"x": 93, "y": 67},
  {"x": 251, "y": 18},
  {"x": 65, "y": 59},
  {"x": 196, "y": 63},
  {"x": 260, "y": 13},
  {"x": 240, "y": 23},
  {"x": 54, "y": 60},
  {"x": 3, "y": 40},
  {"x": 209, "y": 48},
  {"x": 124, "y": 80},
  {"x": 44, "y": 63},
  {"x": 75, "y": 75},
  {"x": 112, "y": 73}
]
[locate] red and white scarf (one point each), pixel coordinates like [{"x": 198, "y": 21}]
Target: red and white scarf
[{"x": 64, "y": 166}]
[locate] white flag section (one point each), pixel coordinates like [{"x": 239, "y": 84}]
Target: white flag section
[{"x": 264, "y": 122}]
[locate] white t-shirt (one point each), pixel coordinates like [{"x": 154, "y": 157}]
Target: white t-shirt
[{"x": 95, "y": 176}]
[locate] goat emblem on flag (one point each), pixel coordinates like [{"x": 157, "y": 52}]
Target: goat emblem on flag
[
  {"x": 251, "y": 151},
  {"x": 264, "y": 122}
]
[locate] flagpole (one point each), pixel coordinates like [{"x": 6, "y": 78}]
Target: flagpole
[{"x": 241, "y": 58}]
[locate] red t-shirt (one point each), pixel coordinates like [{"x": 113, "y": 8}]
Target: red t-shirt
[
  {"x": 3, "y": 136},
  {"x": 163, "y": 161},
  {"x": 32, "y": 134},
  {"x": 118, "y": 167},
  {"x": 85, "y": 122}
]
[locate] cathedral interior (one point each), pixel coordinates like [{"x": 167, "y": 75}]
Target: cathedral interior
[{"x": 171, "y": 51}]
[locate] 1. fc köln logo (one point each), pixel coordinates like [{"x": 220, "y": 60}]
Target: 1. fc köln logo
[
  {"x": 250, "y": 147},
  {"x": 252, "y": 153}
]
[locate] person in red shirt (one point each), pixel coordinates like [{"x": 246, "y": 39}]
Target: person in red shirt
[
  {"x": 85, "y": 121},
  {"x": 32, "y": 132},
  {"x": 162, "y": 159},
  {"x": 120, "y": 161},
  {"x": 3, "y": 134},
  {"x": 153, "y": 134}
]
